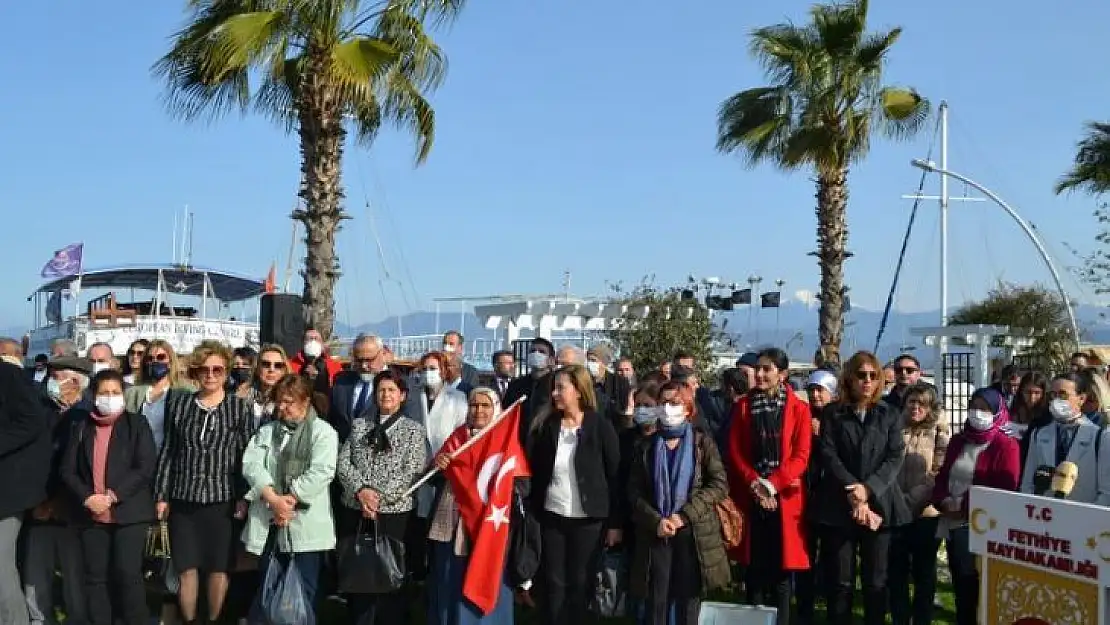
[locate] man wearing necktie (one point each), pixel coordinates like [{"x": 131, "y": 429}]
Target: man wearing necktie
[
  {"x": 504, "y": 368},
  {"x": 352, "y": 395}
]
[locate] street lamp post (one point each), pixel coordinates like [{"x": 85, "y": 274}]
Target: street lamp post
[
  {"x": 753, "y": 281},
  {"x": 930, "y": 166}
]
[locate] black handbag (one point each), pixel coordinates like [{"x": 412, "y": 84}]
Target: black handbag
[
  {"x": 158, "y": 572},
  {"x": 371, "y": 563},
  {"x": 524, "y": 539}
]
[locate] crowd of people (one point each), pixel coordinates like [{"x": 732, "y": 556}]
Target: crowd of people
[{"x": 245, "y": 460}]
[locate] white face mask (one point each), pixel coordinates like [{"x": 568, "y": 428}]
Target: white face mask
[
  {"x": 313, "y": 349},
  {"x": 673, "y": 416},
  {"x": 431, "y": 378},
  {"x": 1061, "y": 410},
  {"x": 100, "y": 366},
  {"x": 449, "y": 349},
  {"x": 980, "y": 420},
  {"x": 537, "y": 360},
  {"x": 109, "y": 405},
  {"x": 593, "y": 367}
]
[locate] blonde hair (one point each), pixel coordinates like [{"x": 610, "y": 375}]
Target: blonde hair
[
  {"x": 582, "y": 382},
  {"x": 847, "y": 379},
  {"x": 270, "y": 348},
  {"x": 208, "y": 349},
  {"x": 177, "y": 376}
]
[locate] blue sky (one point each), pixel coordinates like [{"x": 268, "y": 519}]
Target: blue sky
[{"x": 571, "y": 135}]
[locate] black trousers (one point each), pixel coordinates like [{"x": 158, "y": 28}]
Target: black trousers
[
  {"x": 114, "y": 573},
  {"x": 965, "y": 577},
  {"x": 387, "y": 609},
  {"x": 570, "y": 549},
  {"x": 839, "y": 547},
  {"x": 808, "y": 585},
  {"x": 675, "y": 580},
  {"x": 913, "y": 558},
  {"x": 766, "y": 582}
]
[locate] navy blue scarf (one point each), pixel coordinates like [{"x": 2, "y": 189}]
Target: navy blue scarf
[{"x": 673, "y": 479}]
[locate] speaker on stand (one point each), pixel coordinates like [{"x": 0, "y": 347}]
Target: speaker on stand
[{"x": 281, "y": 321}]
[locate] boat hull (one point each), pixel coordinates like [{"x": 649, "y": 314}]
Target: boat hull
[{"x": 182, "y": 333}]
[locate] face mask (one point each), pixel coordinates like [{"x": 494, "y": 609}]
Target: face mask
[
  {"x": 593, "y": 367},
  {"x": 645, "y": 415},
  {"x": 366, "y": 377},
  {"x": 54, "y": 389},
  {"x": 238, "y": 377},
  {"x": 313, "y": 349},
  {"x": 1061, "y": 410},
  {"x": 431, "y": 378},
  {"x": 673, "y": 416},
  {"x": 109, "y": 405},
  {"x": 537, "y": 360},
  {"x": 979, "y": 420},
  {"x": 100, "y": 366},
  {"x": 157, "y": 370},
  {"x": 448, "y": 349}
]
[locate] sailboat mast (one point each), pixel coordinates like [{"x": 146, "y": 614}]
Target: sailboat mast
[{"x": 942, "y": 342}]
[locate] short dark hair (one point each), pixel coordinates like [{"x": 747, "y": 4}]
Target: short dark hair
[
  {"x": 733, "y": 380},
  {"x": 500, "y": 353},
  {"x": 462, "y": 339},
  {"x": 106, "y": 375},
  {"x": 539, "y": 340},
  {"x": 682, "y": 354},
  {"x": 907, "y": 356},
  {"x": 776, "y": 356},
  {"x": 1083, "y": 355},
  {"x": 392, "y": 376}
]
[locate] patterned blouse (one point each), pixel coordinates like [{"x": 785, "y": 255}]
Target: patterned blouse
[{"x": 389, "y": 473}]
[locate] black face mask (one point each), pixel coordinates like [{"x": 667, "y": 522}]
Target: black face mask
[{"x": 238, "y": 377}]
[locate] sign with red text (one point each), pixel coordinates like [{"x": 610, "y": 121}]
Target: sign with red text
[{"x": 1043, "y": 560}]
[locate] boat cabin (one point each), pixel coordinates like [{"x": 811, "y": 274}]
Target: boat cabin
[{"x": 117, "y": 306}]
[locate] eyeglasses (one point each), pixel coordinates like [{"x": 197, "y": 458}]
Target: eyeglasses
[
  {"x": 271, "y": 364},
  {"x": 160, "y": 357},
  {"x": 136, "y": 352},
  {"x": 215, "y": 371},
  {"x": 864, "y": 376},
  {"x": 905, "y": 370}
]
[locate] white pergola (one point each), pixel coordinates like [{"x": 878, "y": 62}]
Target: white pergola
[
  {"x": 544, "y": 317},
  {"x": 981, "y": 338}
]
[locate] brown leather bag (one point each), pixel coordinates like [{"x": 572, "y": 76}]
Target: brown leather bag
[{"x": 732, "y": 524}]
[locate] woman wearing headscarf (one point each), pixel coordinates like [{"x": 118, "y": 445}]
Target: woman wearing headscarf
[
  {"x": 981, "y": 454},
  {"x": 769, "y": 445},
  {"x": 450, "y": 552},
  {"x": 380, "y": 460},
  {"x": 677, "y": 479},
  {"x": 289, "y": 465}
]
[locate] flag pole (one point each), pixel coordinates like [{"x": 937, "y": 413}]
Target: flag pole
[{"x": 467, "y": 445}]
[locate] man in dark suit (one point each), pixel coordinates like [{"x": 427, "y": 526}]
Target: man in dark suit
[
  {"x": 453, "y": 347},
  {"x": 536, "y": 384},
  {"x": 352, "y": 394},
  {"x": 504, "y": 366}
]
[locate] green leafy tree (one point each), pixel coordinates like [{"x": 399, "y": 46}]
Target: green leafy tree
[
  {"x": 1034, "y": 308},
  {"x": 671, "y": 324},
  {"x": 824, "y": 103},
  {"x": 320, "y": 68},
  {"x": 1090, "y": 172}
]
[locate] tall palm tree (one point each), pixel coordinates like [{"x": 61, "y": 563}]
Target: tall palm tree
[
  {"x": 825, "y": 100},
  {"x": 1091, "y": 170},
  {"x": 321, "y": 68}
]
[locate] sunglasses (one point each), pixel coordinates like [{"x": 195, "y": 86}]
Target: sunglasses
[
  {"x": 136, "y": 352},
  {"x": 161, "y": 357},
  {"x": 215, "y": 371},
  {"x": 905, "y": 370},
  {"x": 272, "y": 364},
  {"x": 864, "y": 376}
]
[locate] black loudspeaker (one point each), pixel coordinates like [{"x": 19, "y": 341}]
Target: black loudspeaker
[{"x": 281, "y": 321}]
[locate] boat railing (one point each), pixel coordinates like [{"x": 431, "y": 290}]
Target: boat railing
[{"x": 104, "y": 312}]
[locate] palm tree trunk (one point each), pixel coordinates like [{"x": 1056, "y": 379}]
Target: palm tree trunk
[
  {"x": 321, "y": 135},
  {"x": 832, "y": 242}
]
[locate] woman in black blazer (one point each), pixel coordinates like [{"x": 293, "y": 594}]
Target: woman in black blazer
[
  {"x": 109, "y": 469},
  {"x": 858, "y": 500},
  {"x": 575, "y": 455}
]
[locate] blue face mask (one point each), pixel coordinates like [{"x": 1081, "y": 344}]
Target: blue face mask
[
  {"x": 157, "y": 370},
  {"x": 54, "y": 389}
]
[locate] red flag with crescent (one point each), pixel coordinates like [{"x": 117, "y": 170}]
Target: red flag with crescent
[{"x": 481, "y": 479}]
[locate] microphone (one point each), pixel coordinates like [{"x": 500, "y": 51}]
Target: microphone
[
  {"x": 1042, "y": 480},
  {"x": 1063, "y": 481}
]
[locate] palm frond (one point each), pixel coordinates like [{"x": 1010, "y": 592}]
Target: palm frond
[
  {"x": 757, "y": 122},
  {"x": 787, "y": 53},
  {"x": 872, "y": 52},
  {"x": 840, "y": 27},
  {"x": 421, "y": 59},
  {"x": 901, "y": 112},
  {"x": 1090, "y": 170}
]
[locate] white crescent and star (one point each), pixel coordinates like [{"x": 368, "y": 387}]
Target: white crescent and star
[{"x": 493, "y": 470}]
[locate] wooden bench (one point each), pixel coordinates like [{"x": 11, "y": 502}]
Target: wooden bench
[{"x": 103, "y": 312}]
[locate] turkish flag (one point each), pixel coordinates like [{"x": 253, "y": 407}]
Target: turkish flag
[{"x": 482, "y": 481}]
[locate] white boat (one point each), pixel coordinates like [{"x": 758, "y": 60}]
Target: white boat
[{"x": 185, "y": 305}]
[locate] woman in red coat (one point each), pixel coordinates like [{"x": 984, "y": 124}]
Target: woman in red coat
[{"x": 768, "y": 450}]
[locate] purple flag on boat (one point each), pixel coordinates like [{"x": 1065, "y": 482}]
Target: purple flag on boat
[{"x": 66, "y": 262}]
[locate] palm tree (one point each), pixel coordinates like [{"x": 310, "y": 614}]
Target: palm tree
[
  {"x": 322, "y": 68},
  {"x": 825, "y": 99},
  {"x": 1091, "y": 170}
]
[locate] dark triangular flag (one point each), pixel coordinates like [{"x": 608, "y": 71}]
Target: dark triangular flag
[
  {"x": 743, "y": 296},
  {"x": 770, "y": 300}
]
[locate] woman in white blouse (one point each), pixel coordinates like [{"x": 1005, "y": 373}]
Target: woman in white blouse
[{"x": 159, "y": 373}]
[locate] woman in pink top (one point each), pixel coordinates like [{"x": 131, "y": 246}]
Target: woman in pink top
[{"x": 109, "y": 468}]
